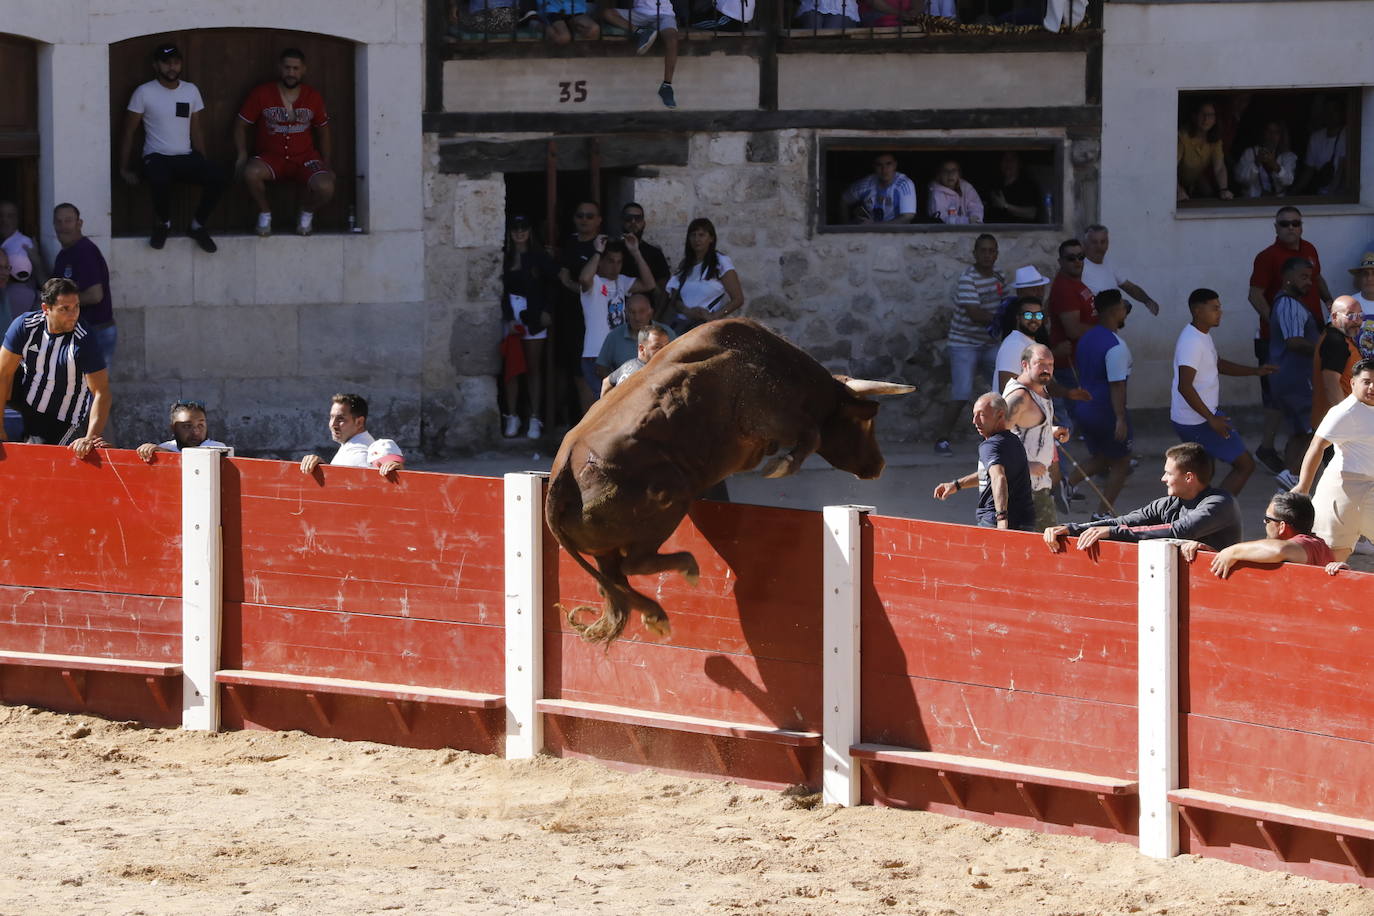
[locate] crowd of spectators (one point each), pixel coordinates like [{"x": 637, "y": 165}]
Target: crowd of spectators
[
  {"x": 1312, "y": 357},
  {"x": 1228, "y": 149},
  {"x": 887, "y": 196}
]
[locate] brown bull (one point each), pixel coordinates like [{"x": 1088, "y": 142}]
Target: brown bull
[{"x": 712, "y": 403}]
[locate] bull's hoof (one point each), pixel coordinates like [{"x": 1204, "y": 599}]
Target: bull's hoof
[
  {"x": 658, "y": 625},
  {"x": 692, "y": 576},
  {"x": 777, "y": 467}
]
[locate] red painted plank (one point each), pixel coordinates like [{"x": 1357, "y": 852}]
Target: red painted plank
[
  {"x": 422, "y": 653},
  {"x": 671, "y": 679},
  {"x": 65, "y": 622},
  {"x": 1288, "y": 647},
  {"x": 108, "y": 523},
  {"x": 425, "y": 545},
  {"x": 1333, "y": 775},
  {"x": 760, "y": 588},
  {"x": 1012, "y": 726}
]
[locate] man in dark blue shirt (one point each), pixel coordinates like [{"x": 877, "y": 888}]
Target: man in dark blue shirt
[
  {"x": 1003, "y": 475},
  {"x": 53, "y": 372},
  {"x": 1193, "y": 510}
]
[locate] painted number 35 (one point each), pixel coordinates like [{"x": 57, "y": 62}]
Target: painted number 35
[{"x": 572, "y": 92}]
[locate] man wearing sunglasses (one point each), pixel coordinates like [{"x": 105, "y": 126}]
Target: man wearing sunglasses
[
  {"x": 1266, "y": 281},
  {"x": 632, "y": 223},
  {"x": 190, "y": 429},
  {"x": 1030, "y": 329},
  {"x": 1288, "y": 538}
]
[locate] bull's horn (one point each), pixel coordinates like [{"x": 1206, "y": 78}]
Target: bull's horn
[{"x": 874, "y": 389}]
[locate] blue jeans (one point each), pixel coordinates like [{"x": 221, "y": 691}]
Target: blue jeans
[{"x": 964, "y": 363}]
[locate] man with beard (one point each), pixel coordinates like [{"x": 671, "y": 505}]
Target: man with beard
[
  {"x": 1030, "y": 416},
  {"x": 1333, "y": 366},
  {"x": 1030, "y": 328},
  {"x": 190, "y": 429},
  {"x": 286, "y": 113}
]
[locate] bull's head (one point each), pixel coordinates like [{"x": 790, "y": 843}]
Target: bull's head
[{"x": 848, "y": 440}]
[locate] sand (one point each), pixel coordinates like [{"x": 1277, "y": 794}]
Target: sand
[{"x": 108, "y": 817}]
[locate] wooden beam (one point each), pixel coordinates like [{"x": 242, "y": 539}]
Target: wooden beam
[
  {"x": 618, "y": 151},
  {"x": 456, "y": 123}
]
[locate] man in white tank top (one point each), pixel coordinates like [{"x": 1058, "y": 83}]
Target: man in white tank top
[{"x": 1030, "y": 414}]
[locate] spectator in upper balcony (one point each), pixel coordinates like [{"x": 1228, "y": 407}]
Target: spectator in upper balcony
[
  {"x": 1324, "y": 164},
  {"x": 952, "y": 200},
  {"x": 562, "y": 19},
  {"x": 827, "y": 14},
  {"x": 1016, "y": 198},
  {"x": 887, "y": 14},
  {"x": 727, "y": 16},
  {"x": 706, "y": 286},
  {"x": 1267, "y": 168},
  {"x": 1201, "y": 161},
  {"x": 646, "y": 21},
  {"x": 169, "y": 109},
  {"x": 886, "y": 196},
  {"x": 286, "y": 113},
  {"x": 27, "y": 270}
]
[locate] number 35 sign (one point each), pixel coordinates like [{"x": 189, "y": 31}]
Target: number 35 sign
[{"x": 572, "y": 91}]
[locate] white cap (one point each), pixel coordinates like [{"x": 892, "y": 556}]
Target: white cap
[
  {"x": 1028, "y": 278},
  {"x": 383, "y": 450},
  {"x": 20, "y": 265}
]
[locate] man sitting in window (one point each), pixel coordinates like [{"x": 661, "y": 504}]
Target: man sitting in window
[
  {"x": 886, "y": 196},
  {"x": 169, "y": 108},
  {"x": 286, "y": 113}
]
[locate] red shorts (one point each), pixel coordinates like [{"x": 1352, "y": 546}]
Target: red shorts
[{"x": 299, "y": 170}]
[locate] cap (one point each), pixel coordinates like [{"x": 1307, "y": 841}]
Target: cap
[
  {"x": 1028, "y": 278},
  {"x": 1366, "y": 263},
  {"x": 519, "y": 219},
  {"x": 383, "y": 450},
  {"x": 167, "y": 52},
  {"x": 20, "y": 265}
]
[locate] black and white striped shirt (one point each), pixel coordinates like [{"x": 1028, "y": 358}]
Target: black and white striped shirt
[{"x": 53, "y": 367}]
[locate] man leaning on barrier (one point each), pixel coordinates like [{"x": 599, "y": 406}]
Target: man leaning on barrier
[
  {"x": 190, "y": 429},
  {"x": 357, "y": 448},
  {"x": 1287, "y": 538},
  {"x": 1192, "y": 509}
]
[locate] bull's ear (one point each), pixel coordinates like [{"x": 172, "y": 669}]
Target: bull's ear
[{"x": 859, "y": 408}]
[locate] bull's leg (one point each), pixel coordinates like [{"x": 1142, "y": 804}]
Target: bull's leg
[
  {"x": 808, "y": 440},
  {"x": 614, "y": 610},
  {"x": 682, "y": 562}
]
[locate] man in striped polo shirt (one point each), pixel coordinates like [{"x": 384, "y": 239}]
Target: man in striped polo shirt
[
  {"x": 972, "y": 348},
  {"x": 53, "y": 373}
]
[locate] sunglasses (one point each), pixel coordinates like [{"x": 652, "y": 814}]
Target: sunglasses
[
  {"x": 1038, "y": 316},
  {"x": 1270, "y": 518},
  {"x": 1288, "y": 223},
  {"x": 198, "y": 405},
  {"x": 585, "y": 215},
  {"x": 1074, "y": 257}
]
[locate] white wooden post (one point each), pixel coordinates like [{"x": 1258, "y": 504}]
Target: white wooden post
[
  {"x": 843, "y": 583},
  {"x": 202, "y": 577},
  {"x": 524, "y": 515},
  {"x": 1158, "y": 700}
]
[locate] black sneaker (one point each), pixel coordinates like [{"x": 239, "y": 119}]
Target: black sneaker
[
  {"x": 1271, "y": 458},
  {"x": 665, "y": 95},
  {"x": 202, "y": 237},
  {"x": 158, "y": 238}
]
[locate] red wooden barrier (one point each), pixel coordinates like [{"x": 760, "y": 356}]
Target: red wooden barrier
[
  {"x": 91, "y": 567},
  {"x": 984, "y": 644},
  {"x": 348, "y": 575},
  {"x": 1277, "y": 667},
  {"x": 745, "y": 647}
]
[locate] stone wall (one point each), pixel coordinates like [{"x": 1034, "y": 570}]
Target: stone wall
[{"x": 866, "y": 304}]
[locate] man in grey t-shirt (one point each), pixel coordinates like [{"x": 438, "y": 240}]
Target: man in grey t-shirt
[{"x": 651, "y": 340}]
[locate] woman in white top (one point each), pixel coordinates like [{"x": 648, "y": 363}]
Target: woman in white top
[
  {"x": 1267, "y": 169},
  {"x": 705, "y": 286}
]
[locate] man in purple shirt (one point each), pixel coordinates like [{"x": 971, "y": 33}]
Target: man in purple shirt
[{"x": 82, "y": 263}]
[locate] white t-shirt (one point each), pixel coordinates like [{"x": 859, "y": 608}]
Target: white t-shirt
[
  {"x": 1350, "y": 425},
  {"x": 1195, "y": 349},
  {"x": 1106, "y": 275},
  {"x": 603, "y": 308},
  {"x": 1009, "y": 354},
  {"x": 171, "y": 445},
  {"x": 699, "y": 293},
  {"x": 166, "y": 116},
  {"x": 1323, "y": 148},
  {"x": 1119, "y": 361},
  {"x": 353, "y": 453}
]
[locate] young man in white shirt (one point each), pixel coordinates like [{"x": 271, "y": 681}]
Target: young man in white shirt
[
  {"x": 604, "y": 291},
  {"x": 190, "y": 429},
  {"x": 357, "y": 448},
  {"x": 1196, "y": 391},
  {"x": 1345, "y": 496},
  {"x": 169, "y": 109}
]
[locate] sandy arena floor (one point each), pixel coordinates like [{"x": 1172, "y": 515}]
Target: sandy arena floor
[{"x": 106, "y": 817}]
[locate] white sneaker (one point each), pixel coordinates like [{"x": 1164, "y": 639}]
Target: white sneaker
[
  {"x": 512, "y": 426},
  {"x": 536, "y": 428},
  {"x": 1287, "y": 480}
]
